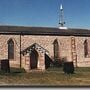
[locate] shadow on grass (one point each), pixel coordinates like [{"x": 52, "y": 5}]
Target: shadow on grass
[
  {"x": 13, "y": 71},
  {"x": 18, "y": 71}
]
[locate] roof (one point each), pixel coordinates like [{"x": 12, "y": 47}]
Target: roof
[
  {"x": 34, "y": 46},
  {"x": 43, "y": 31}
]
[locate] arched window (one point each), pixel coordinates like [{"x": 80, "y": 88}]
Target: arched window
[
  {"x": 85, "y": 48},
  {"x": 56, "y": 49},
  {"x": 10, "y": 49}
]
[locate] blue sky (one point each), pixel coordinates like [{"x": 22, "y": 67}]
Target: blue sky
[{"x": 45, "y": 13}]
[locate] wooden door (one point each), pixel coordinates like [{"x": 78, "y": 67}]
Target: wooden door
[{"x": 33, "y": 59}]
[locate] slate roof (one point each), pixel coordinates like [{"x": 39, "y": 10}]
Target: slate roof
[{"x": 43, "y": 31}]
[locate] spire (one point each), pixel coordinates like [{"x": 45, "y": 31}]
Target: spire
[
  {"x": 61, "y": 17},
  {"x": 61, "y": 8},
  {"x": 61, "y": 20}
]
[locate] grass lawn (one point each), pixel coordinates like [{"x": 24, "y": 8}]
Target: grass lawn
[{"x": 51, "y": 77}]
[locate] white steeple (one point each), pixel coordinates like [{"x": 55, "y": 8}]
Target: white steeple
[
  {"x": 61, "y": 8},
  {"x": 61, "y": 18}
]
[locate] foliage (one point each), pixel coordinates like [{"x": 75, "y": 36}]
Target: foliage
[
  {"x": 68, "y": 67},
  {"x": 57, "y": 63}
]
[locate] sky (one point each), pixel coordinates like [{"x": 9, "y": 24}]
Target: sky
[{"x": 45, "y": 13}]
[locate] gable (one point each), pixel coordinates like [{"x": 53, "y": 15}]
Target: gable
[{"x": 35, "y": 46}]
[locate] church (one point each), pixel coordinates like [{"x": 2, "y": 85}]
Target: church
[{"x": 35, "y": 47}]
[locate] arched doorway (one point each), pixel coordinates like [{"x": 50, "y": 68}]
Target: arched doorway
[{"x": 33, "y": 59}]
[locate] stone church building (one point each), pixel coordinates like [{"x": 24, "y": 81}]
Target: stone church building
[
  {"x": 38, "y": 47},
  {"x": 35, "y": 47}
]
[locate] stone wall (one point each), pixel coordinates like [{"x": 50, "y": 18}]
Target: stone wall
[
  {"x": 47, "y": 43},
  {"x": 4, "y": 49},
  {"x": 82, "y": 61}
]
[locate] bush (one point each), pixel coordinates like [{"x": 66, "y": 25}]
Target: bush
[
  {"x": 57, "y": 63},
  {"x": 68, "y": 67},
  {"x": 5, "y": 67}
]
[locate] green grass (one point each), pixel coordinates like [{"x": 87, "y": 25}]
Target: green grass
[{"x": 51, "y": 77}]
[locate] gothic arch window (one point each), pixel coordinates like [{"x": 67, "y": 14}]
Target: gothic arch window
[
  {"x": 56, "y": 49},
  {"x": 10, "y": 49},
  {"x": 85, "y": 48}
]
